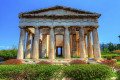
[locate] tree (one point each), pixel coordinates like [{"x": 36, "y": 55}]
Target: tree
[
  {"x": 119, "y": 37},
  {"x": 111, "y": 47}
]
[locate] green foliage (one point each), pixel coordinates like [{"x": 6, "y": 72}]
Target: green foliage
[
  {"x": 6, "y": 54},
  {"x": 47, "y": 72},
  {"x": 88, "y": 72},
  {"x": 110, "y": 54},
  {"x": 75, "y": 57},
  {"x": 28, "y": 72},
  {"x": 117, "y": 66},
  {"x": 119, "y": 37},
  {"x": 118, "y": 75},
  {"x": 111, "y": 47},
  {"x": 109, "y": 57},
  {"x": 43, "y": 58}
]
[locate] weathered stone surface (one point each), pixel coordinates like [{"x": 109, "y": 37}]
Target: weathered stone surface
[
  {"x": 86, "y": 46},
  {"x": 90, "y": 48},
  {"x": 36, "y": 44},
  {"x": 44, "y": 46},
  {"x": 67, "y": 44},
  {"x": 21, "y": 44},
  {"x": 52, "y": 23},
  {"x": 28, "y": 46},
  {"x": 52, "y": 45},
  {"x": 97, "y": 53},
  {"x": 82, "y": 43}
]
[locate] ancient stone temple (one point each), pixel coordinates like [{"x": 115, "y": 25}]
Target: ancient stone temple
[{"x": 58, "y": 32}]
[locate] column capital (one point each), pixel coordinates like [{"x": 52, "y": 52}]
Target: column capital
[
  {"x": 22, "y": 27},
  {"x": 95, "y": 26}
]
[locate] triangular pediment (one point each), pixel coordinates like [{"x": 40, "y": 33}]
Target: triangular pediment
[{"x": 58, "y": 10}]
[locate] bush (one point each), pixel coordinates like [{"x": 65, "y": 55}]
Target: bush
[
  {"x": 12, "y": 62},
  {"x": 110, "y": 54},
  {"x": 117, "y": 58},
  {"x": 109, "y": 57},
  {"x": 7, "y": 54},
  {"x": 118, "y": 75},
  {"x": 28, "y": 72},
  {"x": 116, "y": 51},
  {"x": 108, "y": 62},
  {"x": 77, "y": 61},
  {"x": 117, "y": 66},
  {"x": 44, "y": 62},
  {"x": 88, "y": 72}
]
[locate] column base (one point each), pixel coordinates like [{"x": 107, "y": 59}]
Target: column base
[{"x": 83, "y": 58}]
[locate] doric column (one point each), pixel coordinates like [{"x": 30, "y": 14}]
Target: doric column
[
  {"x": 97, "y": 53},
  {"x": 21, "y": 44},
  {"x": 67, "y": 44},
  {"x": 52, "y": 45},
  {"x": 36, "y": 44},
  {"x": 90, "y": 48},
  {"x": 31, "y": 56},
  {"x": 86, "y": 46},
  {"x": 82, "y": 43},
  {"x": 28, "y": 46}
]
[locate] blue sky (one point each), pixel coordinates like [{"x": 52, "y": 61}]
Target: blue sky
[{"x": 109, "y": 22}]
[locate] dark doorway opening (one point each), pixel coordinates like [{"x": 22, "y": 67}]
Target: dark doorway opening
[{"x": 59, "y": 51}]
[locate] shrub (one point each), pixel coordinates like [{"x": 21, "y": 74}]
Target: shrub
[
  {"x": 7, "y": 54},
  {"x": 116, "y": 51},
  {"x": 44, "y": 62},
  {"x": 109, "y": 57},
  {"x": 117, "y": 58},
  {"x": 117, "y": 66},
  {"x": 28, "y": 72},
  {"x": 12, "y": 62},
  {"x": 77, "y": 61},
  {"x": 108, "y": 62},
  {"x": 88, "y": 72},
  {"x": 118, "y": 75}
]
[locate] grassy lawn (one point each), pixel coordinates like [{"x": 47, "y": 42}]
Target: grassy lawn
[
  {"x": 118, "y": 62},
  {"x": 113, "y": 55},
  {"x": 59, "y": 57}
]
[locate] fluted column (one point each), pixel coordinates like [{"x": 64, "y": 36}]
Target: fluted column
[
  {"x": 86, "y": 46},
  {"x": 21, "y": 47},
  {"x": 52, "y": 45},
  {"x": 67, "y": 44},
  {"x": 90, "y": 48},
  {"x": 97, "y": 53},
  {"x": 31, "y": 56},
  {"x": 82, "y": 43},
  {"x": 28, "y": 46},
  {"x": 36, "y": 44}
]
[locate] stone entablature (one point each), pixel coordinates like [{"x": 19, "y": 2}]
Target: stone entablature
[
  {"x": 58, "y": 22},
  {"x": 56, "y": 28}
]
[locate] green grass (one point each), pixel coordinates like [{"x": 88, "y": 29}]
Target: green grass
[
  {"x": 114, "y": 74},
  {"x": 43, "y": 58},
  {"x": 110, "y": 54},
  {"x": 59, "y": 57},
  {"x": 75, "y": 57},
  {"x": 118, "y": 62}
]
